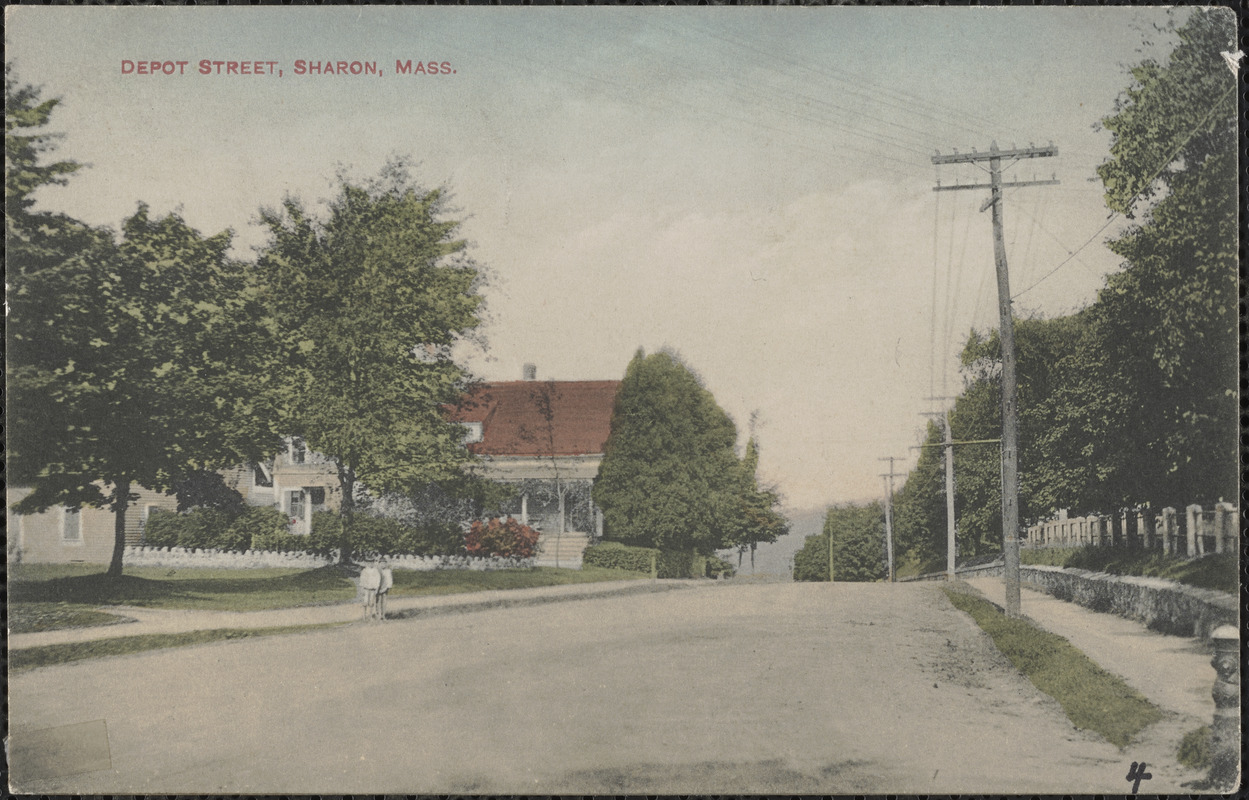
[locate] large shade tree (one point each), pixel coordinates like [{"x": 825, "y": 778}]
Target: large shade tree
[
  {"x": 132, "y": 358},
  {"x": 368, "y": 303}
]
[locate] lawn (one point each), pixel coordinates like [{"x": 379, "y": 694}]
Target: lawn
[
  {"x": 48, "y": 596},
  {"x": 1092, "y": 698},
  {"x": 455, "y": 581}
]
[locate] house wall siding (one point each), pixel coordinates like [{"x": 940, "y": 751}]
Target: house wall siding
[{"x": 38, "y": 539}]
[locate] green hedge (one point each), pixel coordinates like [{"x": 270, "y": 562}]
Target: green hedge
[
  {"x": 267, "y": 528},
  {"x": 670, "y": 563}
]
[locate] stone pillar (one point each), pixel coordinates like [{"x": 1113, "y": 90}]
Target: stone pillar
[
  {"x": 524, "y": 509},
  {"x": 1225, "y": 532},
  {"x": 1193, "y": 521},
  {"x": 598, "y": 522},
  {"x": 1225, "y": 731}
]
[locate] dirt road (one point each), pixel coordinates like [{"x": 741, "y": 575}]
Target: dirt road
[{"x": 727, "y": 688}]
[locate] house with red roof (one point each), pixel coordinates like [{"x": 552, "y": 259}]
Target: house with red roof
[{"x": 548, "y": 438}]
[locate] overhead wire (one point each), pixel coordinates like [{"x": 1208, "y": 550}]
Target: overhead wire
[{"x": 1132, "y": 200}]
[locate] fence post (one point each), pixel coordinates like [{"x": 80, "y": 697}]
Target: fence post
[
  {"x": 1192, "y": 516},
  {"x": 1168, "y": 530},
  {"x": 1225, "y": 731},
  {"x": 1145, "y": 524},
  {"x": 1224, "y": 527}
]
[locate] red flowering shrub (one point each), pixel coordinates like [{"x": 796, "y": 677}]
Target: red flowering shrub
[{"x": 507, "y": 538}]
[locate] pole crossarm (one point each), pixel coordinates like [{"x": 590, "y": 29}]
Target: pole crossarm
[
  {"x": 967, "y": 158},
  {"x": 966, "y": 441},
  {"x": 1004, "y": 185}
]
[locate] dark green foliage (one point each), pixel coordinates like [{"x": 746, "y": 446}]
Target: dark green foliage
[
  {"x": 25, "y": 145},
  {"x": 264, "y": 528},
  {"x": 201, "y": 528},
  {"x": 858, "y": 534},
  {"x": 614, "y": 555},
  {"x": 811, "y": 562},
  {"x": 717, "y": 565},
  {"x": 670, "y": 477},
  {"x": 755, "y": 519},
  {"x": 207, "y": 489},
  {"x": 1091, "y": 697},
  {"x": 669, "y": 563}
]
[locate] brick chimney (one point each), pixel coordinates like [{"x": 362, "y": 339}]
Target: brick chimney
[{"x": 530, "y": 372}]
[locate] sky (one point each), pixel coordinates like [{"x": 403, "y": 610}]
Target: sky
[{"x": 751, "y": 187}]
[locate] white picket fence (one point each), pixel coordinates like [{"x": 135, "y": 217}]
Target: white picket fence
[{"x": 1195, "y": 533}]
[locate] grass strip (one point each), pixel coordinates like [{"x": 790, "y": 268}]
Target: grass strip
[
  {"x": 449, "y": 581},
  {"x": 35, "y": 617},
  {"x": 254, "y": 590},
  {"x": 1092, "y": 698},
  {"x": 48, "y": 655}
]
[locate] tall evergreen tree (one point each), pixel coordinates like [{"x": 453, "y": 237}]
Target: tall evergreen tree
[{"x": 670, "y": 477}]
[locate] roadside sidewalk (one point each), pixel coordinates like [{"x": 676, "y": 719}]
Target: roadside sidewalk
[
  {"x": 148, "y": 620},
  {"x": 1173, "y": 672}
]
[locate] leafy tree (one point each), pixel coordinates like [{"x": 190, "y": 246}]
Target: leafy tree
[
  {"x": 133, "y": 363},
  {"x": 670, "y": 477},
  {"x": 811, "y": 561},
  {"x": 1167, "y": 323},
  {"x": 368, "y": 304},
  {"x": 26, "y": 143},
  {"x": 757, "y": 519}
]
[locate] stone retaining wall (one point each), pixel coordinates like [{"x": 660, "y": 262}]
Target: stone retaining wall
[
  {"x": 1162, "y": 605},
  {"x": 179, "y": 557}
]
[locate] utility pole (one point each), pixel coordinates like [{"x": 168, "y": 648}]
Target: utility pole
[
  {"x": 889, "y": 512},
  {"x": 950, "y": 524},
  {"x": 1010, "y": 411}
]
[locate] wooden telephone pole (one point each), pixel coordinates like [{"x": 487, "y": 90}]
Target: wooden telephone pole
[
  {"x": 889, "y": 476},
  {"x": 1010, "y": 411},
  {"x": 950, "y": 529}
]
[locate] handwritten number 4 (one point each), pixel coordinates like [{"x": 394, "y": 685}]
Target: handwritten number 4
[{"x": 1136, "y": 774}]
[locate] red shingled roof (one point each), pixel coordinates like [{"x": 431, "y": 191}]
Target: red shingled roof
[{"x": 514, "y": 417}]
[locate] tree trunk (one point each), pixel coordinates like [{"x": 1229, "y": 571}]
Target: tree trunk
[
  {"x": 121, "y": 500},
  {"x": 347, "y": 510}
]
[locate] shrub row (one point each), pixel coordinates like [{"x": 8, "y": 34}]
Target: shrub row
[
  {"x": 267, "y": 528},
  {"x": 669, "y": 563}
]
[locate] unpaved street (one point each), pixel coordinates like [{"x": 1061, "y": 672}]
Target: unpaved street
[{"x": 729, "y": 687}]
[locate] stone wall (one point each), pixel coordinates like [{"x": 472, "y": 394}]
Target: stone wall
[
  {"x": 178, "y": 557},
  {"x": 1162, "y": 605}
]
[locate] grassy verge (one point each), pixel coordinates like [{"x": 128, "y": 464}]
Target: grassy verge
[
  {"x": 160, "y": 587},
  {"x": 43, "y": 597},
  {"x": 47, "y": 655},
  {"x": 1194, "y": 751},
  {"x": 456, "y": 581},
  {"x": 1217, "y": 571},
  {"x": 35, "y": 617},
  {"x": 1092, "y": 698}
]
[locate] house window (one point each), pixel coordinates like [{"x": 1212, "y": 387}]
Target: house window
[
  {"x": 316, "y": 496},
  {"x": 261, "y": 476},
  {"x": 298, "y": 451},
  {"x": 473, "y": 432},
  {"x": 71, "y": 526}
]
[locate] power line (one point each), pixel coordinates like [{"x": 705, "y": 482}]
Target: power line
[{"x": 1132, "y": 200}]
